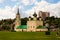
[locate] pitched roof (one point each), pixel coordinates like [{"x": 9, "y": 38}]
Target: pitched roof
[{"x": 22, "y": 27}]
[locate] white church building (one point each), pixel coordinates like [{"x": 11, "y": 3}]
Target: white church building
[{"x": 32, "y": 25}]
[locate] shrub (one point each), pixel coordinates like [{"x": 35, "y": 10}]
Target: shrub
[{"x": 47, "y": 33}]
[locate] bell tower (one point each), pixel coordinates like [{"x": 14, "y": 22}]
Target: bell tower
[{"x": 18, "y": 20}]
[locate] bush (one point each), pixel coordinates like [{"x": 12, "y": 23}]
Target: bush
[{"x": 47, "y": 33}]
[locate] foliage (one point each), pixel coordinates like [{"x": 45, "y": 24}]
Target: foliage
[
  {"x": 39, "y": 27},
  {"x": 4, "y": 27},
  {"x": 6, "y": 24},
  {"x": 24, "y": 21},
  {"x": 53, "y": 21},
  {"x": 47, "y": 32}
]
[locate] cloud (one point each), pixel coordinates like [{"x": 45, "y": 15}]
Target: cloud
[
  {"x": 28, "y": 2},
  {"x": 29, "y": 12},
  {"x": 1, "y": 1},
  {"x": 13, "y": 0},
  {"x": 6, "y": 13},
  {"x": 14, "y": 9},
  {"x": 54, "y": 9},
  {"x": 39, "y": 7},
  {"x": 9, "y": 12}
]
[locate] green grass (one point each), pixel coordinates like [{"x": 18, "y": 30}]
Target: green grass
[{"x": 27, "y": 36}]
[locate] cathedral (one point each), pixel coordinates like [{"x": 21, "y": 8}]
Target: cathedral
[{"x": 32, "y": 25}]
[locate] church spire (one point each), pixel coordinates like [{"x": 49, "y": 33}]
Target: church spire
[
  {"x": 17, "y": 21},
  {"x": 18, "y": 11}
]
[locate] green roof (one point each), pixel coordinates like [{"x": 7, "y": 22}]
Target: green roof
[
  {"x": 22, "y": 27},
  {"x": 40, "y": 27}
]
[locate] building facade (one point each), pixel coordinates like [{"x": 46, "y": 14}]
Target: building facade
[
  {"x": 43, "y": 15},
  {"x": 32, "y": 25}
]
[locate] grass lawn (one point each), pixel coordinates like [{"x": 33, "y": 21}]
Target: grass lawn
[{"x": 27, "y": 36}]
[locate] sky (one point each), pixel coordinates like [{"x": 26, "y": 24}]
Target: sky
[{"x": 8, "y": 8}]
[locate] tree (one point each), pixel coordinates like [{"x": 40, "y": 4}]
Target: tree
[{"x": 24, "y": 21}]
